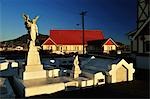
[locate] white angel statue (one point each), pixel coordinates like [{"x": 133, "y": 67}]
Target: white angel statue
[{"x": 31, "y": 26}]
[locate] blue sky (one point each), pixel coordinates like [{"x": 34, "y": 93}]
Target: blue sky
[{"x": 114, "y": 17}]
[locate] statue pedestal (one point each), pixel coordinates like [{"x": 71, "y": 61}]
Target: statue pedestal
[
  {"x": 32, "y": 87},
  {"x": 34, "y": 68},
  {"x": 34, "y": 74}
]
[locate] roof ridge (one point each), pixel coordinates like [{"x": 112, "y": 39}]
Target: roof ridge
[
  {"x": 74, "y": 30},
  {"x": 68, "y": 37}
]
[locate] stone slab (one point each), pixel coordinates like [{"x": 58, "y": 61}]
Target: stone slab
[
  {"x": 34, "y": 75},
  {"x": 27, "y": 88},
  {"x": 53, "y": 72},
  {"x": 32, "y": 68},
  {"x": 90, "y": 82},
  {"x": 3, "y": 66}
]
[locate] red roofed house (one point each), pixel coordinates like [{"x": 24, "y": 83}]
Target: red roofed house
[
  {"x": 68, "y": 41},
  {"x": 102, "y": 46}
]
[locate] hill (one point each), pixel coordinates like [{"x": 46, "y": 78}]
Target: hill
[{"x": 23, "y": 41}]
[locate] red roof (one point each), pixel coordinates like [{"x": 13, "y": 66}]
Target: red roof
[
  {"x": 72, "y": 37},
  {"x": 109, "y": 43}
]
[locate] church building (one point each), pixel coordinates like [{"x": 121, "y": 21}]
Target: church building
[{"x": 68, "y": 41}]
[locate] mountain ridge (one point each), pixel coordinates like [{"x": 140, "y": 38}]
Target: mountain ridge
[{"x": 23, "y": 41}]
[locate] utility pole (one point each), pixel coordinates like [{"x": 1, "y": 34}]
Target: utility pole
[{"x": 82, "y": 15}]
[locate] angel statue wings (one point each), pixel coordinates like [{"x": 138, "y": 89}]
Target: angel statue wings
[{"x": 31, "y": 26}]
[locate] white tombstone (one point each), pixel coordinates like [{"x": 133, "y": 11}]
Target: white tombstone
[
  {"x": 34, "y": 68},
  {"x": 3, "y": 65},
  {"x": 76, "y": 68},
  {"x": 35, "y": 80},
  {"x": 121, "y": 71},
  {"x": 14, "y": 64}
]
